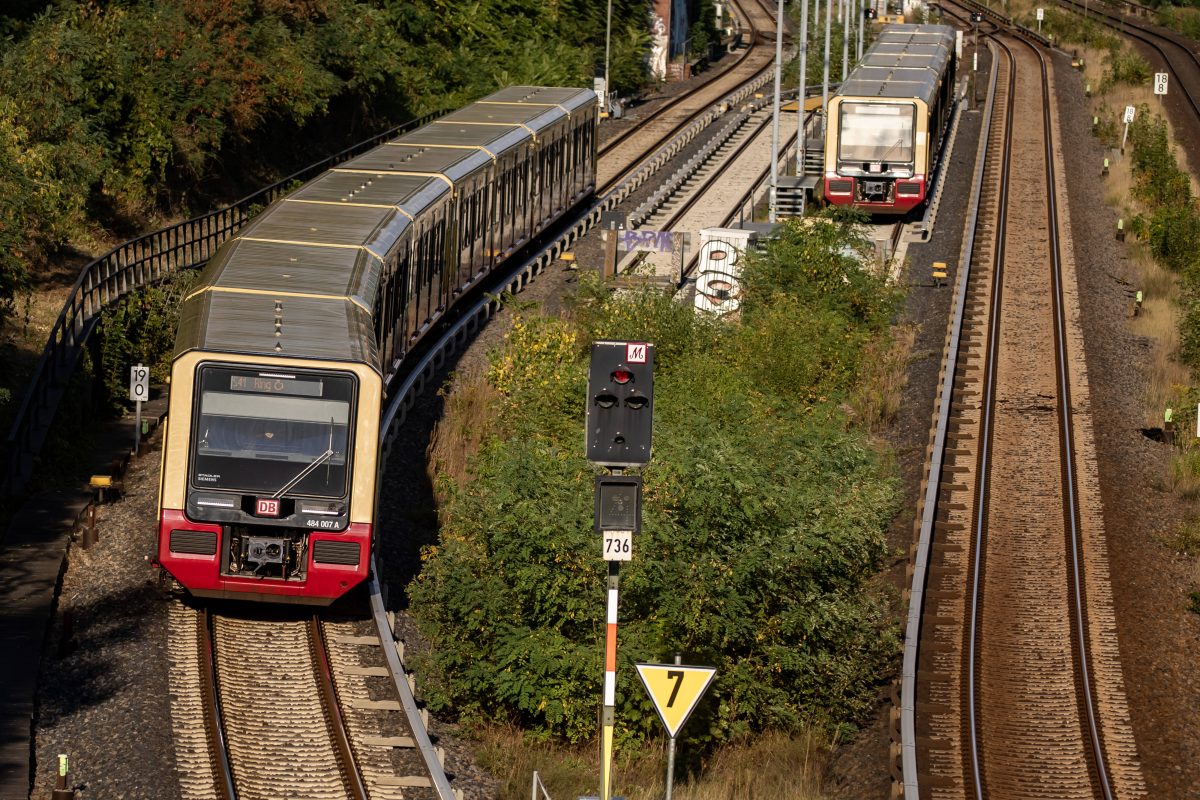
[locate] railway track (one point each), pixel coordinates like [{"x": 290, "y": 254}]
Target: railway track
[
  {"x": 622, "y": 154},
  {"x": 283, "y": 707},
  {"x": 1012, "y": 684},
  {"x": 276, "y": 706},
  {"x": 1180, "y": 55}
]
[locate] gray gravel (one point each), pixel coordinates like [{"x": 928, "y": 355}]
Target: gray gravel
[{"x": 103, "y": 693}]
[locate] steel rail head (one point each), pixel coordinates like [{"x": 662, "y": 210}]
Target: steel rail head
[
  {"x": 214, "y": 716},
  {"x": 333, "y": 710},
  {"x": 908, "y": 686},
  {"x": 387, "y": 639},
  {"x": 1066, "y": 420}
]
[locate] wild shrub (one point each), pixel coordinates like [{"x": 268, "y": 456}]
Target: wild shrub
[
  {"x": 823, "y": 263},
  {"x": 140, "y": 329},
  {"x": 1173, "y": 227},
  {"x": 1125, "y": 66},
  {"x": 763, "y": 518},
  {"x": 1174, "y": 234}
]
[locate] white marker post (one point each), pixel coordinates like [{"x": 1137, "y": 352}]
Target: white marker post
[
  {"x": 1129, "y": 112},
  {"x": 139, "y": 390},
  {"x": 1160, "y": 83},
  {"x": 1041, "y": 14}
]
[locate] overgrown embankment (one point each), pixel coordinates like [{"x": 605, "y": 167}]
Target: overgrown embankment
[{"x": 765, "y": 506}]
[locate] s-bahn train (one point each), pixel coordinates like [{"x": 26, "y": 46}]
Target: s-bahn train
[
  {"x": 886, "y": 124},
  {"x": 287, "y": 344}
]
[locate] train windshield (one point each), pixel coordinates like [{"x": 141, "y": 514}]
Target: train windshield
[
  {"x": 272, "y": 434},
  {"x": 876, "y": 133}
]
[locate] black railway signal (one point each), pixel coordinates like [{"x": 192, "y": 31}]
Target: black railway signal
[
  {"x": 620, "y": 403},
  {"x": 870, "y": 13}
]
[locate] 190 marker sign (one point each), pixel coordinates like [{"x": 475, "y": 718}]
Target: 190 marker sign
[
  {"x": 618, "y": 545},
  {"x": 139, "y": 383}
]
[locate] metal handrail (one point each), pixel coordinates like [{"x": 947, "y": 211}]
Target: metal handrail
[{"x": 137, "y": 263}]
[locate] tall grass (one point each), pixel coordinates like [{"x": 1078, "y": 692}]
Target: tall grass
[
  {"x": 876, "y": 398},
  {"x": 467, "y": 420},
  {"x": 773, "y": 765}
]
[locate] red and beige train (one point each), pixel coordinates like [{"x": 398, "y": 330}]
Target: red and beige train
[
  {"x": 288, "y": 343},
  {"x": 888, "y": 121}
]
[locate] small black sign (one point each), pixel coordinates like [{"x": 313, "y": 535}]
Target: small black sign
[{"x": 618, "y": 503}]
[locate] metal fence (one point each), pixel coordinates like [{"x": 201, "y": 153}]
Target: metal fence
[{"x": 132, "y": 265}]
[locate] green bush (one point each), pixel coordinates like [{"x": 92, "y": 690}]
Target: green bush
[
  {"x": 140, "y": 329},
  {"x": 1125, "y": 66},
  {"x": 1173, "y": 227},
  {"x": 764, "y": 515}
]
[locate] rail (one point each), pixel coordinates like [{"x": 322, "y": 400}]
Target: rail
[
  {"x": 137, "y": 263},
  {"x": 912, "y": 633},
  {"x": 214, "y": 716}
]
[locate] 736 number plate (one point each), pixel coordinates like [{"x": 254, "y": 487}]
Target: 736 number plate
[{"x": 617, "y": 545}]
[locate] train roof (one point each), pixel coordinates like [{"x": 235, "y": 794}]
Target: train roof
[
  {"x": 534, "y": 119},
  {"x": 454, "y": 163},
  {"x": 495, "y": 140},
  {"x": 569, "y": 100},
  {"x": 324, "y": 328},
  {"x": 906, "y": 61},
  {"x": 319, "y": 252}
]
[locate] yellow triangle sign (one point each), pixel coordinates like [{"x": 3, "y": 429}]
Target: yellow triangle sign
[{"x": 675, "y": 690}]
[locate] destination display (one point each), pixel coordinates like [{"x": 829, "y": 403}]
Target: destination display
[{"x": 275, "y": 385}]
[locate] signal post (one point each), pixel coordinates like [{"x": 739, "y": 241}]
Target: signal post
[{"x": 617, "y": 436}]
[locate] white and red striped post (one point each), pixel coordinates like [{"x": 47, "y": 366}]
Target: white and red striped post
[{"x": 608, "y": 713}]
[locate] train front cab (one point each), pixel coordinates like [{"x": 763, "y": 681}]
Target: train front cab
[
  {"x": 243, "y": 511},
  {"x": 879, "y": 154}
]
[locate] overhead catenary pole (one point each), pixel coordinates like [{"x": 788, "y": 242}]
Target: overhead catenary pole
[
  {"x": 801, "y": 135},
  {"x": 772, "y": 213},
  {"x": 825, "y": 69},
  {"x": 607, "y": 47},
  {"x": 845, "y": 39},
  {"x": 862, "y": 25}
]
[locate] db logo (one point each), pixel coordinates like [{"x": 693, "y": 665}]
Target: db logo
[{"x": 266, "y": 507}]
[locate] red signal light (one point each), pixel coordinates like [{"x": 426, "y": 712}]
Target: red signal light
[{"x": 622, "y": 376}]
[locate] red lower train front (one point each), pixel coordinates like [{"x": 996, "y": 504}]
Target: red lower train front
[
  {"x": 876, "y": 195},
  {"x": 266, "y": 563},
  {"x": 268, "y": 481}
]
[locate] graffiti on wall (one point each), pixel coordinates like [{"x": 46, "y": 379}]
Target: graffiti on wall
[{"x": 659, "y": 38}]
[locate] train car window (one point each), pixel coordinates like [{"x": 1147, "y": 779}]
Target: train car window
[
  {"x": 876, "y": 132},
  {"x": 505, "y": 206},
  {"x": 400, "y": 309},
  {"x": 421, "y": 268},
  {"x": 259, "y": 431},
  {"x": 412, "y": 301},
  {"x": 442, "y": 274}
]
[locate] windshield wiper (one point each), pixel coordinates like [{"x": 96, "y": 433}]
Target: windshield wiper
[
  {"x": 888, "y": 152},
  {"x": 304, "y": 473}
]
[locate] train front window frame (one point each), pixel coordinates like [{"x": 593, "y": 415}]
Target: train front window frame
[
  {"x": 876, "y": 133},
  {"x": 259, "y": 431}
]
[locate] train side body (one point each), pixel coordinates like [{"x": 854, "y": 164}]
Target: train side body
[
  {"x": 297, "y": 326},
  {"x": 886, "y": 124}
]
